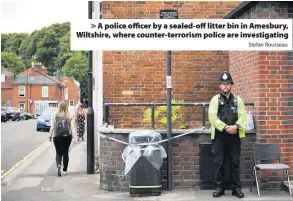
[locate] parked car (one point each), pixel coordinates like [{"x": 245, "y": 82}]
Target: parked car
[
  {"x": 22, "y": 116},
  {"x": 3, "y": 115},
  {"x": 44, "y": 120},
  {"x": 17, "y": 115},
  {"x": 27, "y": 115},
  {"x": 10, "y": 112}
]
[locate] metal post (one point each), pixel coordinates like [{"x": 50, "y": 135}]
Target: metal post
[
  {"x": 106, "y": 114},
  {"x": 203, "y": 116},
  {"x": 99, "y": 80},
  {"x": 26, "y": 88},
  {"x": 169, "y": 119},
  {"x": 90, "y": 113},
  {"x": 153, "y": 116}
]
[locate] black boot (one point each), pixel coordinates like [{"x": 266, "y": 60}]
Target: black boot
[
  {"x": 237, "y": 192},
  {"x": 219, "y": 192}
]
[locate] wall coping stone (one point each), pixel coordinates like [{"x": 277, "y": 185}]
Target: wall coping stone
[{"x": 106, "y": 130}]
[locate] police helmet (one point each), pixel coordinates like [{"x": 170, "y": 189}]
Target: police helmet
[{"x": 225, "y": 77}]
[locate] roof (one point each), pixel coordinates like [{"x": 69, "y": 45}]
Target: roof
[
  {"x": 36, "y": 80},
  {"x": 56, "y": 78},
  {"x": 5, "y": 71},
  {"x": 50, "y": 77},
  {"x": 244, "y": 6}
]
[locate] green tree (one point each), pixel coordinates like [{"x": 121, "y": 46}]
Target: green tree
[
  {"x": 49, "y": 45},
  {"x": 28, "y": 47},
  {"x": 61, "y": 29},
  {"x": 47, "y": 50},
  {"x": 12, "y": 62},
  {"x": 160, "y": 115},
  {"x": 11, "y": 42},
  {"x": 4, "y": 38},
  {"x": 77, "y": 66},
  {"x": 65, "y": 52}
]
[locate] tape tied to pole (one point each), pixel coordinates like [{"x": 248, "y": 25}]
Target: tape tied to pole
[{"x": 146, "y": 143}]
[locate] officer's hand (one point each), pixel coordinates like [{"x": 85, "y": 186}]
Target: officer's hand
[
  {"x": 227, "y": 128},
  {"x": 232, "y": 130}
]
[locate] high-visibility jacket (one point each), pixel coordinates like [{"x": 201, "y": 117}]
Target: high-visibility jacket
[{"x": 216, "y": 123}]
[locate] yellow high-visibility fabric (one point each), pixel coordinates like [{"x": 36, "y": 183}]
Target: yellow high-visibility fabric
[{"x": 216, "y": 123}]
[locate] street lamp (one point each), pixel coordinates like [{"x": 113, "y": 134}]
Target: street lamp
[{"x": 90, "y": 112}]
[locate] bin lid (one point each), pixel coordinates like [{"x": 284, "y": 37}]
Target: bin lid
[{"x": 144, "y": 136}]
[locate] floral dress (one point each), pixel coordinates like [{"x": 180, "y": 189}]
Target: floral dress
[{"x": 80, "y": 124}]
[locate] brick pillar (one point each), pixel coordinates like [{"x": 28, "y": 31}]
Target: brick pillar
[
  {"x": 266, "y": 79},
  {"x": 290, "y": 97},
  {"x": 290, "y": 111},
  {"x": 274, "y": 98}
]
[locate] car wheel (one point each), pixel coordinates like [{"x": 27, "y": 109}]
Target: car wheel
[{"x": 38, "y": 129}]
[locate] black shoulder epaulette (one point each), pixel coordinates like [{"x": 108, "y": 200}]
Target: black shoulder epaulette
[{"x": 235, "y": 101}]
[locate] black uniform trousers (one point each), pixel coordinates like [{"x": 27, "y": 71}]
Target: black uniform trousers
[{"x": 226, "y": 145}]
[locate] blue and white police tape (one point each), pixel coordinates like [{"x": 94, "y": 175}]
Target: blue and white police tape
[{"x": 146, "y": 143}]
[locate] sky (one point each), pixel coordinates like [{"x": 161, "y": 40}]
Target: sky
[{"x": 29, "y": 15}]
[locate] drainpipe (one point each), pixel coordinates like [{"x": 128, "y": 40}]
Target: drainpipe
[
  {"x": 90, "y": 113},
  {"x": 26, "y": 88},
  {"x": 30, "y": 98}
]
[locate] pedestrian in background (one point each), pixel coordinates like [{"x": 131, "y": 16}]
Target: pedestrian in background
[
  {"x": 80, "y": 121},
  {"x": 63, "y": 132}
]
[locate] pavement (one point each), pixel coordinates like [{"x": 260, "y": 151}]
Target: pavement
[{"x": 36, "y": 180}]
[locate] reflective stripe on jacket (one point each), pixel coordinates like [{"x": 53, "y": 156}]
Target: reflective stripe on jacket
[{"x": 216, "y": 123}]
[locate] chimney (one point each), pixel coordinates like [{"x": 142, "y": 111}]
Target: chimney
[
  {"x": 58, "y": 75},
  {"x": 39, "y": 67}
]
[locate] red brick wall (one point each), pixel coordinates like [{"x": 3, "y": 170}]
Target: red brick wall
[
  {"x": 72, "y": 90},
  {"x": 254, "y": 79},
  {"x": 8, "y": 82},
  {"x": 244, "y": 70},
  {"x": 139, "y": 76},
  {"x": 185, "y": 161},
  {"x": 6, "y": 95},
  {"x": 34, "y": 92},
  {"x": 290, "y": 96},
  {"x": 264, "y": 78},
  {"x": 6, "y": 89}
]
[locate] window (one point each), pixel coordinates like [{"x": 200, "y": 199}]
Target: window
[
  {"x": 45, "y": 91},
  {"x": 21, "y": 106},
  {"x": 71, "y": 103},
  {"x": 53, "y": 105},
  {"x": 39, "y": 108},
  {"x": 66, "y": 93},
  {"x": 2, "y": 78},
  {"x": 21, "y": 91}
]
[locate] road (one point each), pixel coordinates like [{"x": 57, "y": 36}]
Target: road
[{"x": 18, "y": 139}]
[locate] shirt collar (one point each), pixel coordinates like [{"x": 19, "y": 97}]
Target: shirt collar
[{"x": 230, "y": 96}]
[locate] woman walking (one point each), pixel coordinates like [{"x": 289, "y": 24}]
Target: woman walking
[
  {"x": 80, "y": 121},
  {"x": 62, "y": 130}
]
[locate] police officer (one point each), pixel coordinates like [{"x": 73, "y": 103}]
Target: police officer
[{"x": 227, "y": 116}]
